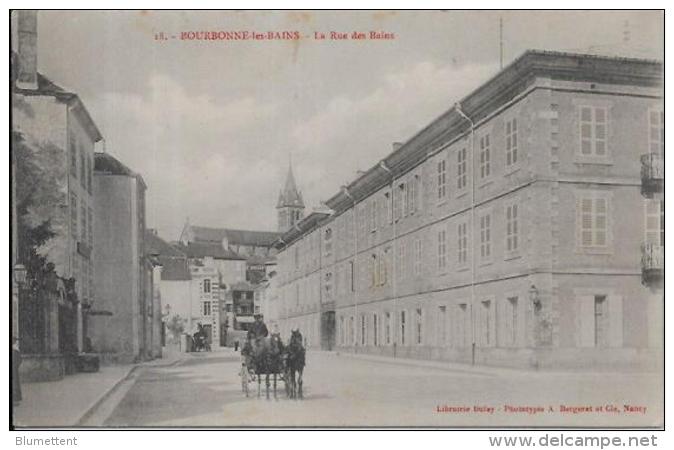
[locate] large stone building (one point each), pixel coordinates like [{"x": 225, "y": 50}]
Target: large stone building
[
  {"x": 58, "y": 137},
  {"x": 123, "y": 328},
  {"x": 522, "y": 227}
]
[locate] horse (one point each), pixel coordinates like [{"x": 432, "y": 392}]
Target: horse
[
  {"x": 295, "y": 360},
  {"x": 267, "y": 360}
]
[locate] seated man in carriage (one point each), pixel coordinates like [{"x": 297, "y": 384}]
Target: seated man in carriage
[{"x": 259, "y": 329}]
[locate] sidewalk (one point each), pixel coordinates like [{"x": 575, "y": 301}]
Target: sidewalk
[
  {"x": 476, "y": 369},
  {"x": 65, "y": 402}
]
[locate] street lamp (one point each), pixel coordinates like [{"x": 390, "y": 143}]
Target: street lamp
[
  {"x": 534, "y": 297},
  {"x": 20, "y": 274}
]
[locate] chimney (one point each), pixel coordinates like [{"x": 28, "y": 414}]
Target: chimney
[
  {"x": 397, "y": 145},
  {"x": 27, "y": 49}
]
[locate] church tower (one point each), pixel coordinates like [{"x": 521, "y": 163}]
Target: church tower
[{"x": 290, "y": 206}]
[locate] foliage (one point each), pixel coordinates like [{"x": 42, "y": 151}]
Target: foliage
[{"x": 176, "y": 326}]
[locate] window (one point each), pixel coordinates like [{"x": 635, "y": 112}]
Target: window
[
  {"x": 413, "y": 194},
  {"x": 461, "y": 176},
  {"x": 374, "y": 269},
  {"x": 352, "y": 331},
  {"x": 89, "y": 172},
  {"x": 328, "y": 242},
  {"x": 593, "y": 213},
  {"x": 512, "y": 229},
  {"x": 419, "y": 326},
  {"x": 417, "y": 256},
  {"x": 373, "y": 215},
  {"x": 383, "y": 266},
  {"x": 462, "y": 318},
  {"x": 363, "y": 330},
  {"x": 402, "y": 189},
  {"x": 655, "y": 217},
  {"x": 342, "y": 331},
  {"x": 387, "y": 216},
  {"x": 83, "y": 212},
  {"x": 83, "y": 169},
  {"x": 351, "y": 277},
  {"x": 512, "y": 321},
  {"x": 442, "y": 179},
  {"x": 600, "y": 321},
  {"x": 485, "y": 157},
  {"x": 297, "y": 256},
  {"x": 73, "y": 215},
  {"x": 485, "y": 237},
  {"x": 656, "y": 134},
  {"x": 442, "y": 250},
  {"x": 387, "y": 328},
  {"x": 402, "y": 327},
  {"x": 511, "y": 142},
  {"x": 207, "y": 286},
  {"x": 375, "y": 329},
  {"x": 206, "y": 308},
  {"x": 442, "y": 325},
  {"x": 91, "y": 227},
  {"x": 328, "y": 285},
  {"x": 593, "y": 123},
  {"x": 485, "y": 323},
  {"x": 401, "y": 260},
  {"x": 462, "y": 244},
  {"x": 73, "y": 158}
]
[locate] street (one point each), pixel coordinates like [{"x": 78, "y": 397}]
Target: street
[{"x": 204, "y": 390}]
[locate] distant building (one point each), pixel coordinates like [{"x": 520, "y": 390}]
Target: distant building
[
  {"x": 241, "y": 259},
  {"x": 59, "y": 137},
  {"x": 121, "y": 318},
  {"x": 174, "y": 284},
  {"x": 522, "y": 227}
]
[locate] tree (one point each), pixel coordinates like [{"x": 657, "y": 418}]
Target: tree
[{"x": 176, "y": 326}]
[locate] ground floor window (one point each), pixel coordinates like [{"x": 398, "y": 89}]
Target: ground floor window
[
  {"x": 387, "y": 327},
  {"x": 402, "y": 327},
  {"x": 462, "y": 317},
  {"x": 363, "y": 330},
  {"x": 442, "y": 325},
  {"x": 375, "y": 329},
  {"x": 419, "y": 328}
]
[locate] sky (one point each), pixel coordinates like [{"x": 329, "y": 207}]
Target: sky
[{"x": 211, "y": 125}]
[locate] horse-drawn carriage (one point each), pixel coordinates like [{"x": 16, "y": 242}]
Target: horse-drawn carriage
[{"x": 268, "y": 357}]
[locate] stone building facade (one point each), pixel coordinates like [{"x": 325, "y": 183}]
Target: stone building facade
[
  {"x": 59, "y": 137},
  {"x": 121, "y": 319},
  {"x": 522, "y": 227}
]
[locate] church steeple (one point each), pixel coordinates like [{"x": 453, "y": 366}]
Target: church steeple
[{"x": 290, "y": 205}]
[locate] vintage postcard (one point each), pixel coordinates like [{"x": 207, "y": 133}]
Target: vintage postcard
[{"x": 235, "y": 219}]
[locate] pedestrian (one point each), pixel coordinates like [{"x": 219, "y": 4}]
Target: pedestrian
[
  {"x": 16, "y": 362},
  {"x": 236, "y": 345}
]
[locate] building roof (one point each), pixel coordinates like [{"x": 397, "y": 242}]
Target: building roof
[
  {"x": 173, "y": 261},
  {"x": 234, "y": 237},
  {"x": 212, "y": 249},
  {"x": 47, "y": 87},
  {"x": 496, "y": 92},
  {"x": 174, "y": 269},
  {"x": 290, "y": 195},
  {"x": 106, "y": 164},
  {"x": 154, "y": 245}
]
